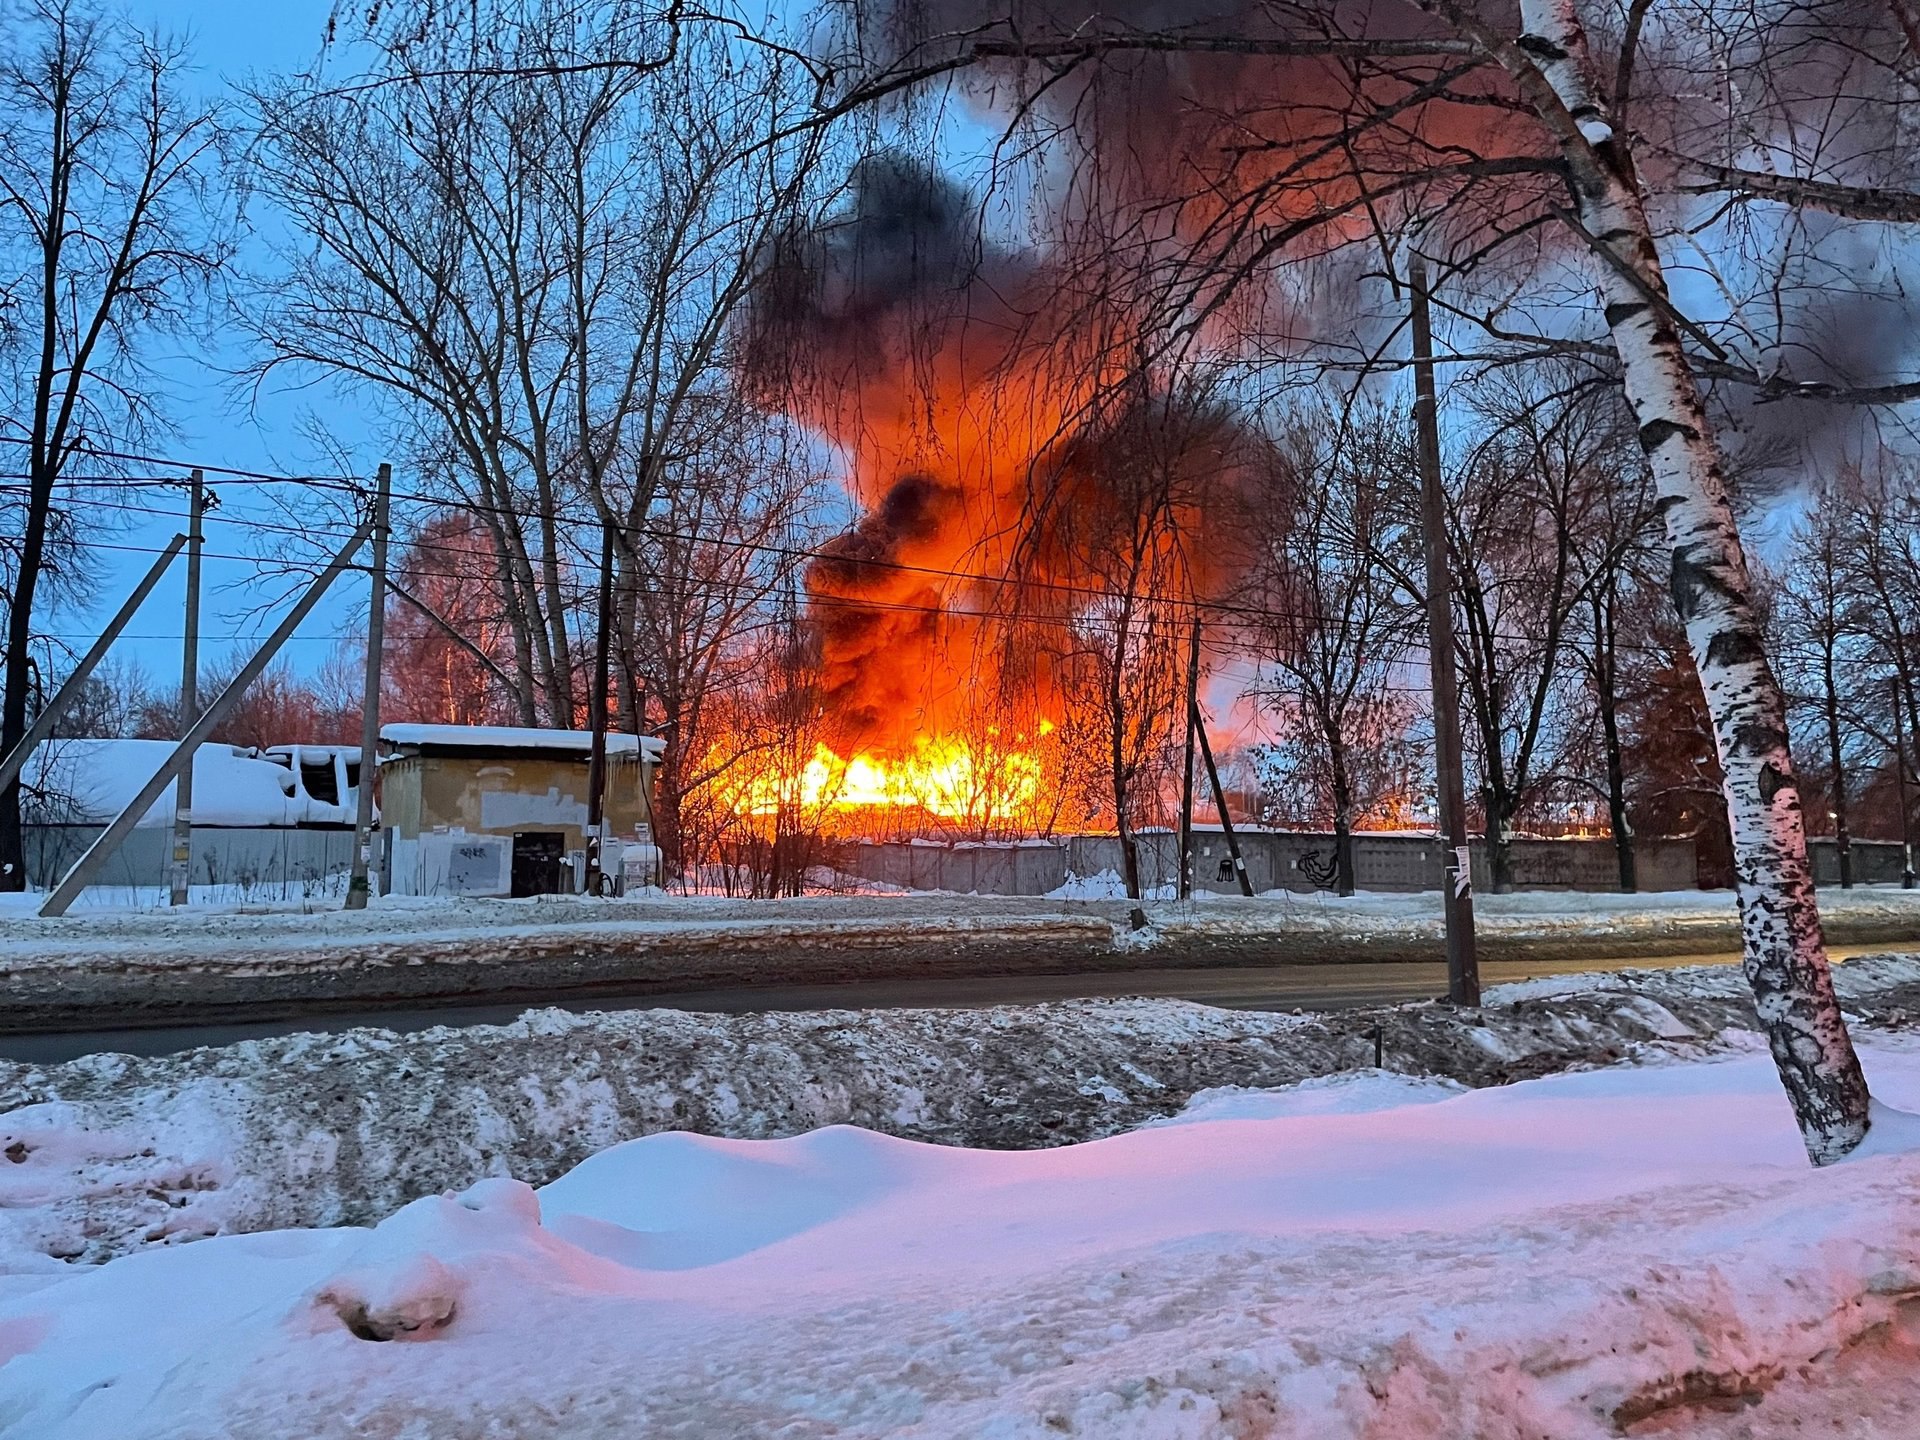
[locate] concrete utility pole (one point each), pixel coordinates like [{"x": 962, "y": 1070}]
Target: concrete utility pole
[
  {"x": 88, "y": 865},
  {"x": 1900, "y": 787},
  {"x": 597, "y": 751},
  {"x": 1463, "y": 965},
  {"x": 370, "y": 698},
  {"x": 1220, "y": 800},
  {"x": 180, "y": 869},
  {"x": 1186, "y": 769},
  {"x": 49, "y": 716}
]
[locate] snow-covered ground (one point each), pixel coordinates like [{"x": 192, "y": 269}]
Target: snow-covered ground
[
  {"x": 114, "y": 1153},
  {"x": 1625, "y": 1250},
  {"x": 265, "y": 938}
]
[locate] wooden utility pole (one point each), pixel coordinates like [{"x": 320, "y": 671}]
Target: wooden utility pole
[
  {"x": 357, "y": 881},
  {"x": 88, "y": 865},
  {"x": 1463, "y": 965},
  {"x": 597, "y": 753},
  {"x": 1186, "y": 769},
  {"x": 180, "y": 868}
]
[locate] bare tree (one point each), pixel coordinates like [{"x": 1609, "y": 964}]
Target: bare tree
[
  {"x": 530, "y": 252},
  {"x": 1615, "y": 556},
  {"x": 1876, "y": 513},
  {"x": 724, "y": 536},
  {"x": 1326, "y": 612},
  {"x": 449, "y": 637},
  {"x": 1820, "y": 645},
  {"x": 1124, "y": 663},
  {"x": 1522, "y": 508},
  {"x": 106, "y": 236}
]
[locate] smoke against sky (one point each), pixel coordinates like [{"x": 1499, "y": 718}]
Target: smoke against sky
[{"x": 994, "y": 433}]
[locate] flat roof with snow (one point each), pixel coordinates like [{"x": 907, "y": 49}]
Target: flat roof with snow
[{"x": 514, "y": 737}]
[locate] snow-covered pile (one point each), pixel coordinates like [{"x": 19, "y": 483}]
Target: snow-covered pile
[
  {"x": 1107, "y": 885},
  {"x": 123, "y": 1152},
  {"x": 1628, "y": 1250}
]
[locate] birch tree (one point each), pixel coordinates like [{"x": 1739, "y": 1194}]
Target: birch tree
[{"x": 1552, "y": 66}]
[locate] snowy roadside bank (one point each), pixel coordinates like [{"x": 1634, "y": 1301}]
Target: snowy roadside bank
[
  {"x": 103, "y": 971},
  {"x": 114, "y": 1152},
  {"x": 406, "y": 930},
  {"x": 1636, "y": 1250}
]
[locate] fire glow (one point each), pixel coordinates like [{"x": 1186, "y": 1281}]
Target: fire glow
[
  {"x": 1002, "y": 464},
  {"x": 943, "y": 777}
]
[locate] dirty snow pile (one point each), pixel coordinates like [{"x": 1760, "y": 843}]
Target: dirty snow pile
[
  {"x": 315, "y": 1130},
  {"x": 1629, "y": 1250}
]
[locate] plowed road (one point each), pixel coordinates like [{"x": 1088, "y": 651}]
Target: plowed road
[{"x": 1251, "y": 987}]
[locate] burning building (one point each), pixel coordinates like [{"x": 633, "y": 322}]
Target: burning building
[{"x": 1046, "y": 510}]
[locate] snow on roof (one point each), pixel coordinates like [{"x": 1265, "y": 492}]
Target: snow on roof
[
  {"x": 514, "y": 737},
  {"x": 91, "y": 781},
  {"x": 312, "y": 752}
]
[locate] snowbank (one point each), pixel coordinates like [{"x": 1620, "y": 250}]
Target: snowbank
[
  {"x": 1574, "y": 1256},
  {"x": 125, "y": 1152}
]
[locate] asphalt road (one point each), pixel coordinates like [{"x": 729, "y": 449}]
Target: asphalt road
[{"x": 1246, "y": 987}]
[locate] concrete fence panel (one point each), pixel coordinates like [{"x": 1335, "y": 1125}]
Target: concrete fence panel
[
  {"x": 1299, "y": 861},
  {"x": 1875, "y": 862}
]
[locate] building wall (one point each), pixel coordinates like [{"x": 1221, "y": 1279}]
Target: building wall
[
  {"x": 497, "y": 795},
  {"x": 448, "y": 815}
]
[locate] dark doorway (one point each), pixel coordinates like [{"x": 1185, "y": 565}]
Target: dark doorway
[
  {"x": 317, "y": 778},
  {"x": 538, "y": 856}
]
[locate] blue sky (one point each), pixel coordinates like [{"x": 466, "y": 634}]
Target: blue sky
[{"x": 216, "y": 426}]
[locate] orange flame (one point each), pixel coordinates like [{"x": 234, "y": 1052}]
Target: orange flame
[{"x": 973, "y": 785}]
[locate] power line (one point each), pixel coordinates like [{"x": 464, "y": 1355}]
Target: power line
[
  {"x": 859, "y": 604},
  {"x": 1225, "y": 608},
  {"x": 234, "y": 636}
]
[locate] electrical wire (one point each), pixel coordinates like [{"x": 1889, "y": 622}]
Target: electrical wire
[{"x": 1227, "y": 609}]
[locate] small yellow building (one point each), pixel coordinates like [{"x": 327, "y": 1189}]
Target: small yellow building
[{"x": 499, "y": 810}]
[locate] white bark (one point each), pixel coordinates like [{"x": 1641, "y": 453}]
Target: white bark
[{"x": 1785, "y": 953}]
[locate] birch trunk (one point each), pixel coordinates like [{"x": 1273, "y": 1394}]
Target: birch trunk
[{"x": 1784, "y": 952}]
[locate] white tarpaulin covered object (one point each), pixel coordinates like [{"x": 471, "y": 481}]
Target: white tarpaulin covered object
[{"x": 88, "y": 782}]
